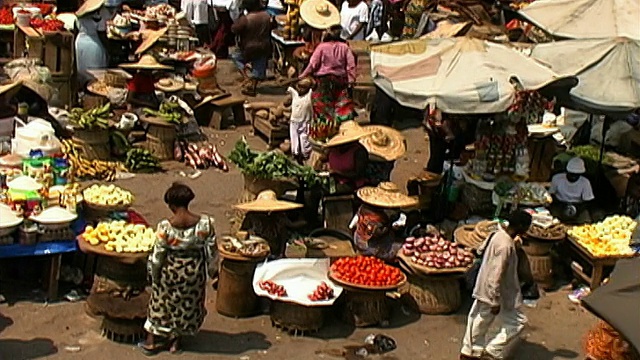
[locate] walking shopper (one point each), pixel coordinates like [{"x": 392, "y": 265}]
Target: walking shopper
[
  {"x": 301, "y": 114},
  {"x": 354, "y": 16},
  {"x": 178, "y": 266},
  {"x": 91, "y": 52},
  {"x": 254, "y": 31},
  {"x": 496, "y": 293}
]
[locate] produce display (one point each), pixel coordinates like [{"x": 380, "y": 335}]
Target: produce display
[
  {"x": 201, "y": 156},
  {"x": 107, "y": 195},
  {"x": 273, "y": 288},
  {"x": 610, "y": 237},
  {"x": 277, "y": 115},
  {"x": 323, "y": 292},
  {"x": 366, "y": 270},
  {"x": 169, "y": 111},
  {"x": 252, "y": 247},
  {"x": 6, "y": 17},
  {"x": 120, "y": 236},
  {"x": 51, "y": 25},
  {"x": 528, "y": 106},
  {"x": 555, "y": 231},
  {"x": 433, "y": 251},
  {"x": 97, "y": 117},
  {"x": 270, "y": 165},
  {"x": 291, "y": 28},
  {"x": 81, "y": 168},
  {"x": 141, "y": 160}
]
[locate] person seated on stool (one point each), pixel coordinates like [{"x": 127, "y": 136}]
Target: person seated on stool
[
  {"x": 378, "y": 225},
  {"x": 571, "y": 193},
  {"x": 347, "y": 158},
  {"x": 142, "y": 90}
]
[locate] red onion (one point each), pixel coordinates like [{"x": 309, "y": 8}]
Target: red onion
[
  {"x": 453, "y": 245},
  {"x": 438, "y": 266},
  {"x": 431, "y": 264},
  {"x": 424, "y": 248},
  {"x": 446, "y": 255},
  {"x": 456, "y": 262},
  {"x": 448, "y": 264},
  {"x": 408, "y": 246},
  {"x": 423, "y": 256},
  {"x": 416, "y": 253},
  {"x": 468, "y": 259},
  {"x": 419, "y": 242},
  {"x": 410, "y": 240},
  {"x": 407, "y": 252},
  {"x": 428, "y": 258},
  {"x": 453, "y": 250},
  {"x": 433, "y": 247},
  {"x": 433, "y": 240},
  {"x": 441, "y": 242},
  {"x": 438, "y": 248}
]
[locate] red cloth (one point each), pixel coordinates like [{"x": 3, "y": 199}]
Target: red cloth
[
  {"x": 135, "y": 218},
  {"x": 222, "y": 38},
  {"x": 342, "y": 162},
  {"x": 142, "y": 83}
]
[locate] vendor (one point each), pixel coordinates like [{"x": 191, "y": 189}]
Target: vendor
[
  {"x": 91, "y": 51},
  {"x": 379, "y": 224},
  {"x": 572, "y": 192},
  {"x": 384, "y": 145},
  {"x": 347, "y": 158},
  {"x": 266, "y": 218},
  {"x": 141, "y": 87}
]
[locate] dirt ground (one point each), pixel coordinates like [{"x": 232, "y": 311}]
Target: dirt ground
[{"x": 30, "y": 329}]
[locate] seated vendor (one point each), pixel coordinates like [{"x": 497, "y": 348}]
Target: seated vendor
[
  {"x": 347, "y": 158},
  {"x": 142, "y": 91},
  {"x": 572, "y": 192},
  {"x": 266, "y": 218},
  {"x": 379, "y": 224}
]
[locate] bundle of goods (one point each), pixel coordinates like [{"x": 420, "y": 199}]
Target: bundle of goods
[
  {"x": 277, "y": 115},
  {"x": 472, "y": 236},
  {"x": 272, "y": 288},
  {"x": 95, "y": 118},
  {"x": 323, "y": 292},
  {"x": 252, "y": 247},
  {"x": 107, "y": 195},
  {"x": 434, "y": 252},
  {"x": 608, "y": 238},
  {"x": 366, "y": 271},
  {"x": 160, "y": 12},
  {"x": 270, "y": 165},
  {"x": 169, "y": 111},
  {"x": 291, "y": 28},
  {"x": 201, "y": 156},
  {"x": 81, "y": 168},
  {"x": 120, "y": 236},
  {"x": 141, "y": 160},
  {"x": 556, "y": 231},
  {"x": 119, "y": 27},
  {"x": 604, "y": 342},
  {"x": 6, "y": 19},
  {"x": 528, "y": 106}
]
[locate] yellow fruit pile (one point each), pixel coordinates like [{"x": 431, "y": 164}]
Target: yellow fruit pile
[
  {"x": 609, "y": 237},
  {"x": 107, "y": 195},
  {"x": 120, "y": 236}
]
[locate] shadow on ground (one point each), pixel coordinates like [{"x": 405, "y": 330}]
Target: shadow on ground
[
  {"x": 534, "y": 351},
  {"x": 215, "y": 342},
  {"x": 15, "y": 349}
]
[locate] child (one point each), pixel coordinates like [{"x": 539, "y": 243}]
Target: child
[{"x": 301, "y": 114}]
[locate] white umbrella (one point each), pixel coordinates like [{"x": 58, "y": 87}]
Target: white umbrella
[
  {"x": 608, "y": 70},
  {"x": 586, "y": 19},
  {"x": 457, "y": 75}
]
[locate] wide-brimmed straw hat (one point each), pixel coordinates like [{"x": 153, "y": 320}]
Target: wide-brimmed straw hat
[
  {"x": 349, "y": 131},
  {"x": 89, "y": 6},
  {"x": 10, "y": 88},
  {"x": 150, "y": 37},
  {"x": 169, "y": 85},
  {"x": 319, "y": 14},
  {"x": 267, "y": 202},
  {"x": 146, "y": 62},
  {"x": 384, "y": 142},
  {"x": 386, "y": 195}
]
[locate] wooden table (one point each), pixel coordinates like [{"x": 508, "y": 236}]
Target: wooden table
[
  {"x": 599, "y": 265},
  {"x": 283, "y": 52}
]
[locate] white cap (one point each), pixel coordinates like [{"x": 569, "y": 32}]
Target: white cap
[{"x": 576, "y": 166}]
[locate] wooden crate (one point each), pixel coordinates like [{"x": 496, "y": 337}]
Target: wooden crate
[
  {"x": 54, "y": 49},
  {"x": 274, "y": 135},
  {"x": 65, "y": 91}
]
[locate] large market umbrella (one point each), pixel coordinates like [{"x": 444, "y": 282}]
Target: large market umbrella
[
  {"x": 618, "y": 301},
  {"x": 608, "y": 71},
  {"x": 457, "y": 75},
  {"x": 586, "y": 19}
]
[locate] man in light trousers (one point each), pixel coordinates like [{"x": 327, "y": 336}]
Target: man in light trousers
[{"x": 496, "y": 293}]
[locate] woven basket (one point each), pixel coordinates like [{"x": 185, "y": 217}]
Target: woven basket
[
  {"x": 94, "y": 143},
  {"x": 542, "y": 270},
  {"x": 476, "y": 199},
  {"x": 294, "y": 317},
  {"x": 366, "y": 308},
  {"x": 537, "y": 248},
  {"x": 114, "y": 79},
  {"x": 433, "y": 295}
]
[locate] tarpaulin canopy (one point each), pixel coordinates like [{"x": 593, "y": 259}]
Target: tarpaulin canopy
[
  {"x": 618, "y": 301},
  {"x": 457, "y": 75},
  {"x": 586, "y": 19},
  {"x": 608, "y": 70}
]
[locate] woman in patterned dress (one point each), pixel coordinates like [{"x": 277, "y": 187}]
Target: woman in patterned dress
[
  {"x": 333, "y": 66},
  {"x": 178, "y": 268}
]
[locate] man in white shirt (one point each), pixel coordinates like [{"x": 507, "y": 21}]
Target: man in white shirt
[
  {"x": 571, "y": 192},
  {"x": 354, "y": 17},
  {"x": 197, "y": 12}
]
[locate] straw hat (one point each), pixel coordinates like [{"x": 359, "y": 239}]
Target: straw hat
[
  {"x": 89, "y": 6},
  {"x": 349, "y": 131},
  {"x": 169, "y": 85},
  {"x": 267, "y": 202},
  {"x": 150, "y": 38},
  {"x": 9, "y": 88},
  {"x": 147, "y": 62},
  {"x": 384, "y": 142},
  {"x": 467, "y": 237},
  {"x": 319, "y": 14},
  {"x": 386, "y": 195}
]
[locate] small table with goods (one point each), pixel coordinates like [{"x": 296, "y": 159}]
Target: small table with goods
[
  {"x": 367, "y": 281},
  {"x": 544, "y": 233},
  {"x": 283, "y": 52},
  {"x": 300, "y": 291},
  {"x": 599, "y": 246}
]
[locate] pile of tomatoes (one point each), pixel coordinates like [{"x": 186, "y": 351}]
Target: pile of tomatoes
[
  {"x": 322, "y": 292},
  {"x": 366, "y": 270},
  {"x": 47, "y": 25},
  {"x": 6, "y": 17},
  {"x": 272, "y": 288}
]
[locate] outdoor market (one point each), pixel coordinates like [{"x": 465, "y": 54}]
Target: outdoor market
[{"x": 309, "y": 179}]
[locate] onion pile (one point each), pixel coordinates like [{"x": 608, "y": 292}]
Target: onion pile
[{"x": 436, "y": 252}]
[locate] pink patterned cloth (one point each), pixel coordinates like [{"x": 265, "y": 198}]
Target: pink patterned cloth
[{"x": 332, "y": 58}]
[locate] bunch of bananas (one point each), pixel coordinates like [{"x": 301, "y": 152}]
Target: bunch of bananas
[
  {"x": 142, "y": 160},
  {"x": 82, "y": 168},
  {"x": 170, "y": 111},
  {"x": 120, "y": 236},
  {"x": 97, "y": 117}
]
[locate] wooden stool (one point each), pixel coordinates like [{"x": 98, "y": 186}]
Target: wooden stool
[
  {"x": 216, "y": 113},
  {"x": 366, "y": 308},
  {"x": 433, "y": 295},
  {"x": 337, "y": 211}
]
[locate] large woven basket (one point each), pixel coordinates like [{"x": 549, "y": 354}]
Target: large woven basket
[
  {"x": 433, "y": 295},
  {"x": 293, "y": 317}
]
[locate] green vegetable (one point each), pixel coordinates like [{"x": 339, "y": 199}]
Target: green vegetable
[
  {"x": 590, "y": 152},
  {"x": 141, "y": 160}
]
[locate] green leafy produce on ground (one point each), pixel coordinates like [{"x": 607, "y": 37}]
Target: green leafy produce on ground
[{"x": 141, "y": 160}]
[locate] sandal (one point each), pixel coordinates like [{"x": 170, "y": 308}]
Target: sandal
[
  {"x": 175, "y": 346},
  {"x": 152, "y": 350}
]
